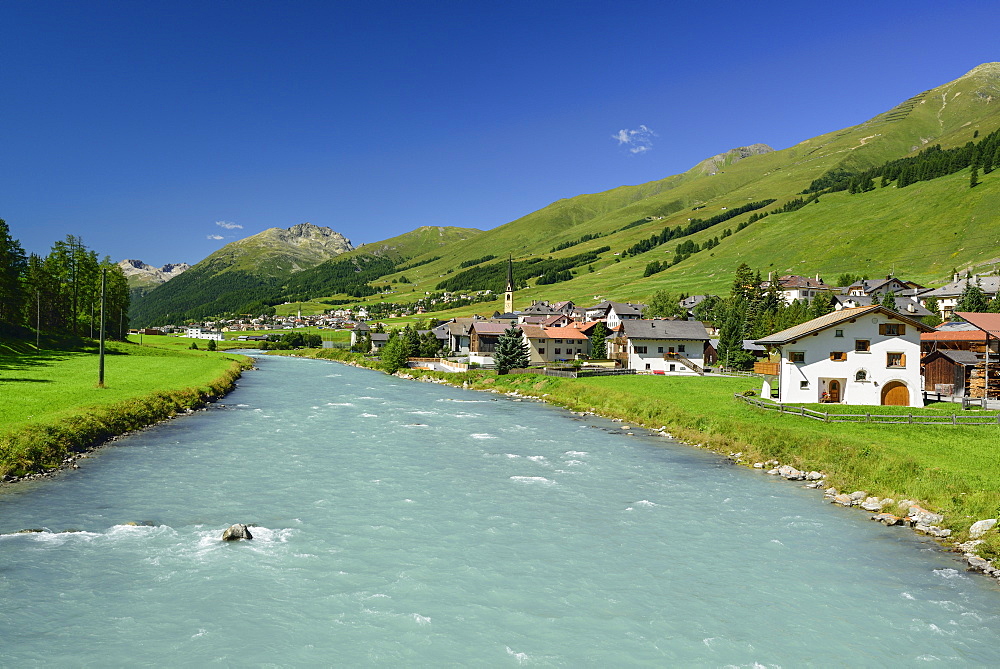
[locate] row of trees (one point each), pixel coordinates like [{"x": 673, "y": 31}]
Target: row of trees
[
  {"x": 931, "y": 163},
  {"x": 59, "y": 293}
]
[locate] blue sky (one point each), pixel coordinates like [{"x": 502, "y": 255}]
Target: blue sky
[{"x": 141, "y": 126}]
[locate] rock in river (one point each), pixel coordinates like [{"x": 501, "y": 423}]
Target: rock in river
[{"x": 236, "y": 532}]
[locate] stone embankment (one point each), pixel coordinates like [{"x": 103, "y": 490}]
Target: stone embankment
[{"x": 889, "y": 512}]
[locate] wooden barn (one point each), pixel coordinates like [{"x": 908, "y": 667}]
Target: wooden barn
[{"x": 949, "y": 372}]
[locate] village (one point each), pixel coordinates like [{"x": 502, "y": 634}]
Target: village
[{"x": 878, "y": 345}]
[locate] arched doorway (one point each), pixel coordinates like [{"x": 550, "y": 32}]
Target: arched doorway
[
  {"x": 834, "y": 390},
  {"x": 895, "y": 394}
]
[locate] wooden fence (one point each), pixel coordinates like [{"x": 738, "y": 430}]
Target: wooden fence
[
  {"x": 571, "y": 373},
  {"x": 901, "y": 419}
]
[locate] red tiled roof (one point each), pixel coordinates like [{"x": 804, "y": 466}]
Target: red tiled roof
[
  {"x": 564, "y": 333},
  {"x": 953, "y": 335},
  {"x": 985, "y": 322}
]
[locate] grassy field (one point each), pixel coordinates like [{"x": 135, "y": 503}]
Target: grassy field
[
  {"x": 951, "y": 470},
  {"x": 50, "y": 403}
]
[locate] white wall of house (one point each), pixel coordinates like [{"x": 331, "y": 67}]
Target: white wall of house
[
  {"x": 481, "y": 358},
  {"x": 648, "y": 355},
  {"x": 547, "y": 349},
  {"x": 198, "y": 333},
  {"x": 808, "y": 380}
]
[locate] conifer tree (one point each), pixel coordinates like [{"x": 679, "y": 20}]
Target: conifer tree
[
  {"x": 13, "y": 263},
  {"x": 973, "y": 299},
  {"x": 394, "y": 354},
  {"x": 888, "y": 300},
  {"x": 511, "y": 351},
  {"x": 974, "y": 177},
  {"x": 598, "y": 342}
]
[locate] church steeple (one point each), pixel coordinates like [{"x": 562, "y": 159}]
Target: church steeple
[{"x": 508, "y": 296}]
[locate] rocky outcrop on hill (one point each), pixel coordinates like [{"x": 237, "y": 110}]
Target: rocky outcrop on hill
[
  {"x": 320, "y": 240},
  {"x": 732, "y": 156}
]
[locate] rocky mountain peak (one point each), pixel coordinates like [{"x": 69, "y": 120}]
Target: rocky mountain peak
[{"x": 136, "y": 271}]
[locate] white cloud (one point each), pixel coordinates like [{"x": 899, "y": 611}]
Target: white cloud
[
  {"x": 637, "y": 141},
  {"x": 228, "y": 225},
  {"x": 216, "y": 237}
]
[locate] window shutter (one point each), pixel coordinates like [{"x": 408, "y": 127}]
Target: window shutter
[
  {"x": 881, "y": 328},
  {"x": 901, "y": 329},
  {"x": 902, "y": 359}
]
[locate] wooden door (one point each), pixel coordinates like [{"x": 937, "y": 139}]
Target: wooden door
[
  {"x": 895, "y": 394},
  {"x": 834, "y": 391}
]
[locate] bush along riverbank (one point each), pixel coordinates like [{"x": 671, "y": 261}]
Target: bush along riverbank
[
  {"x": 41, "y": 447},
  {"x": 938, "y": 480}
]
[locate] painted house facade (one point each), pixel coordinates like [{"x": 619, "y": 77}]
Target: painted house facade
[
  {"x": 865, "y": 355},
  {"x": 660, "y": 346},
  {"x": 555, "y": 344}
]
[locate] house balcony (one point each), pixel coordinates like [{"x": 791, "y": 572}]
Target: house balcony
[{"x": 767, "y": 368}]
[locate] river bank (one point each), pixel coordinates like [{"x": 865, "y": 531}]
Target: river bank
[
  {"x": 937, "y": 470},
  {"x": 53, "y": 415}
]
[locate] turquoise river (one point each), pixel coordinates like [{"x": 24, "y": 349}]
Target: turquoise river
[{"x": 407, "y": 524}]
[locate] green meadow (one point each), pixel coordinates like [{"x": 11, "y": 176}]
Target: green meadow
[{"x": 50, "y": 403}]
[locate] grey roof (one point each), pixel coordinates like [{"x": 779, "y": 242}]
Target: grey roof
[
  {"x": 487, "y": 328},
  {"x": 380, "y": 336},
  {"x": 952, "y": 326},
  {"x": 659, "y": 329},
  {"x": 620, "y": 308},
  {"x": 960, "y": 357},
  {"x": 691, "y": 301},
  {"x": 904, "y": 305},
  {"x": 989, "y": 284},
  {"x": 749, "y": 345}
]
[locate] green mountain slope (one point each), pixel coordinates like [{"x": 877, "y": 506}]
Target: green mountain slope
[
  {"x": 921, "y": 231},
  {"x": 252, "y": 274}
]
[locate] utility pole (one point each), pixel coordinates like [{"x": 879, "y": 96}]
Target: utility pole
[
  {"x": 100, "y": 372},
  {"x": 38, "y": 317}
]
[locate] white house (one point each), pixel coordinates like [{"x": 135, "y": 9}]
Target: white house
[
  {"x": 865, "y": 355},
  {"x": 554, "y": 344},
  {"x": 949, "y": 295},
  {"x": 660, "y": 347},
  {"x": 198, "y": 333},
  {"x": 794, "y": 287}
]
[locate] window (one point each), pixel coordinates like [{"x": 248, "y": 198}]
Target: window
[
  {"x": 681, "y": 348},
  {"x": 558, "y": 351},
  {"x": 862, "y": 346},
  {"x": 659, "y": 349},
  {"x": 541, "y": 351},
  {"x": 797, "y": 356},
  {"x": 838, "y": 333},
  {"x": 558, "y": 341},
  {"x": 640, "y": 349},
  {"x": 647, "y": 365},
  {"x": 892, "y": 329},
  {"x": 673, "y": 368},
  {"x": 838, "y": 356},
  {"x": 579, "y": 350},
  {"x": 895, "y": 360},
  {"x": 803, "y": 385},
  {"x": 862, "y": 375}
]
